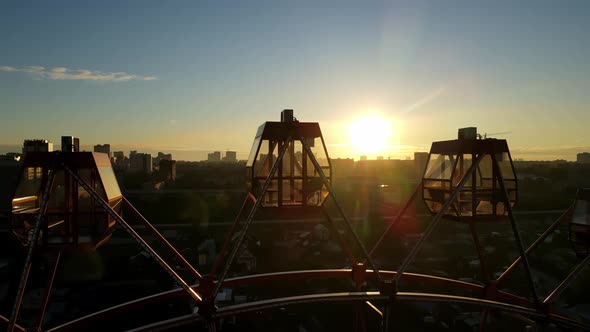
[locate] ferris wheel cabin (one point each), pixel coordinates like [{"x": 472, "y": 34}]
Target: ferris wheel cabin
[
  {"x": 72, "y": 217},
  {"x": 484, "y": 163},
  {"x": 296, "y": 181}
]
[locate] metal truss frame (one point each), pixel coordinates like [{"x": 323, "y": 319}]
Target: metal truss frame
[{"x": 204, "y": 292}]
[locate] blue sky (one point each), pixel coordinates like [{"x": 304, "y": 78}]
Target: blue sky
[{"x": 196, "y": 75}]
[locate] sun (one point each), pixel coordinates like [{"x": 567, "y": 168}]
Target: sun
[{"x": 370, "y": 135}]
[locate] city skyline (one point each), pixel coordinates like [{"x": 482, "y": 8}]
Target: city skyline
[{"x": 191, "y": 78}]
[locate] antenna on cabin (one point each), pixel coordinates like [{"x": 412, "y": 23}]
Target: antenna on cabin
[
  {"x": 471, "y": 133},
  {"x": 486, "y": 135}
]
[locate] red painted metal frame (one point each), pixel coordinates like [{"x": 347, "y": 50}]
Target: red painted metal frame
[
  {"x": 531, "y": 308},
  {"x": 494, "y": 300},
  {"x": 375, "y": 297},
  {"x": 163, "y": 240},
  {"x": 5, "y": 321},
  {"x": 48, "y": 288},
  {"x": 406, "y": 262},
  {"x": 50, "y": 176},
  {"x": 226, "y": 244},
  {"x": 191, "y": 292},
  {"x": 541, "y": 239},
  {"x": 279, "y": 277}
]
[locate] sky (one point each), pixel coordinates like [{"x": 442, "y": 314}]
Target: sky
[{"x": 190, "y": 77}]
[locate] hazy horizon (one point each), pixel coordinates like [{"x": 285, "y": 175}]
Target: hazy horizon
[{"x": 195, "y": 154}]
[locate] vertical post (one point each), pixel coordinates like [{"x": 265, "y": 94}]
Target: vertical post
[
  {"x": 304, "y": 188},
  {"x": 483, "y": 319},
  {"x": 480, "y": 252},
  {"x": 32, "y": 244},
  {"x": 435, "y": 221},
  {"x": 292, "y": 161},
  {"x": 282, "y": 145},
  {"x": 385, "y": 319},
  {"x": 519, "y": 244},
  {"x": 328, "y": 185}
]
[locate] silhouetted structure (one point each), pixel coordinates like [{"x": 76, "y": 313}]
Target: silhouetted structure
[
  {"x": 583, "y": 158},
  {"x": 103, "y": 148},
  {"x": 37, "y": 145},
  {"x": 73, "y": 218},
  {"x": 580, "y": 223},
  {"x": 488, "y": 167},
  {"x": 214, "y": 156},
  {"x": 167, "y": 170},
  {"x": 230, "y": 156},
  {"x": 70, "y": 144},
  {"x": 140, "y": 162},
  {"x": 296, "y": 181}
]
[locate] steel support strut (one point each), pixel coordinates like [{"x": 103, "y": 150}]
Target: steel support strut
[
  {"x": 32, "y": 244},
  {"x": 515, "y": 228},
  {"x": 436, "y": 221},
  {"x": 328, "y": 185},
  {"x": 162, "y": 239},
  {"x": 234, "y": 226},
  {"x": 191, "y": 292},
  {"x": 249, "y": 219},
  {"x": 535, "y": 244},
  {"x": 47, "y": 291},
  {"x": 567, "y": 281},
  {"x": 397, "y": 218},
  {"x": 343, "y": 244}
]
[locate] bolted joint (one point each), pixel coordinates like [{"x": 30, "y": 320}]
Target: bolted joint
[
  {"x": 207, "y": 309},
  {"x": 206, "y": 287},
  {"x": 359, "y": 275},
  {"x": 490, "y": 291},
  {"x": 542, "y": 307},
  {"x": 389, "y": 288}
]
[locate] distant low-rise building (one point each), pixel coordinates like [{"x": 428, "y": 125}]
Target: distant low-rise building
[
  {"x": 214, "y": 156},
  {"x": 104, "y": 148},
  {"x": 37, "y": 145},
  {"x": 140, "y": 162},
  {"x": 167, "y": 170},
  {"x": 583, "y": 158},
  {"x": 230, "y": 156},
  {"x": 120, "y": 161},
  {"x": 70, "y": 144},
  {"x": 11, "y": 156}
]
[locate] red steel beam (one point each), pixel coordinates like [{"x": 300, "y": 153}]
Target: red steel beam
[
  {"x": 535, "y": 244},
  {"x": 188, "y": 320},
  {"x": 397, "y": 218},
  {"x": 47, "y": 291},
  {"x": 162, "y": 239},
  {"x": 117, "y": 311},
  {"x": 234, "y": 226},
  {"x": 4, "y": 321}
]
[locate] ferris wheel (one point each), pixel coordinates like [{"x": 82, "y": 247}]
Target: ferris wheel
[{"x": 71, "y": 201}]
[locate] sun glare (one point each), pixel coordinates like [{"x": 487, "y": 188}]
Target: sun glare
[{"x": 370, "y": 135}]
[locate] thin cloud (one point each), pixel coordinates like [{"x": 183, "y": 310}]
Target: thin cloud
[
  {"x": 424, "y": 100},
  {"x": 63, "y": 73}
]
